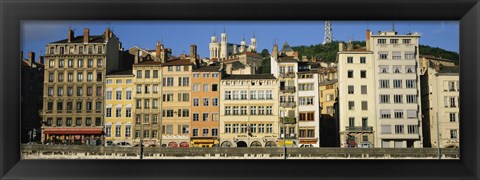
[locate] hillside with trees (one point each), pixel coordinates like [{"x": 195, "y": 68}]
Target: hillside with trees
[{"x": 328, "y": 51}]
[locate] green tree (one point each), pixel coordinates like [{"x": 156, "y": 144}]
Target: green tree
[{"x": 265, "y": 53}]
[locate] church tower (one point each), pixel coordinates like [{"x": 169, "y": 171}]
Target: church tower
[
  {"x": 253, "y": 43},
  {"x": 223, "y": 45},
  {"x": 214, "y": 47}
]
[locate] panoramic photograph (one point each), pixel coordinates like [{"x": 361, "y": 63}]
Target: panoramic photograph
[{"x": 240, "y": 90}]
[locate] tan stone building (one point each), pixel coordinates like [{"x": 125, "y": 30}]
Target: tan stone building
[
  {"x": 440, "y": 102},
  {"x": 205, "y": 120},
  {"x": 74, "y": 87},
  {"x": 249, "y": 111}
]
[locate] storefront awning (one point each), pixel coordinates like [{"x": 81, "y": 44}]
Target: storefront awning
[{"x": 73, "y": 131}]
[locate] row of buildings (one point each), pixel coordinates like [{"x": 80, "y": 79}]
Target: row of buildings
[{"x": 96, "y": 93}]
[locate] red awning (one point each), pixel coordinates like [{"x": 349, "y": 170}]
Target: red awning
[{"x": 73, "y": 131}]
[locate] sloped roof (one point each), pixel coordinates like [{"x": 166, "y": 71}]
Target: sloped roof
[{"x": 79, "y": 39}]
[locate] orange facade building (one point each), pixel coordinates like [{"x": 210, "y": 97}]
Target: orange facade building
[{"x": 205, "y": 106}]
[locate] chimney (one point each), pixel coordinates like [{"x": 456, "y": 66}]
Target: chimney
[
  {"x": 295, "y": 55},
  {"x": 367, "y": 37},
  {"x": 41, "y": 60},
  {"x": 158, "y": 50},
  {"x": 71, "y": 35},
  {"x": 341, "y": 47},
  {"x": 31, "y": 57},
  {"x": 107, "y": 34},
  {"x": 275, "y": 52},
  {"x": 193, "y": 54},
  {"x": 136, "y": 56},
  {"x": 86, "y": 33}
]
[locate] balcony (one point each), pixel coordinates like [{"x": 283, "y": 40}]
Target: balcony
[
  {"x": 287, "y": 89},
  {"x": 288, "y": 104},
  {"x": 359, "y": 128},
  {"x": 288, "y": 120},
  {"x": 287, "y": 75}
]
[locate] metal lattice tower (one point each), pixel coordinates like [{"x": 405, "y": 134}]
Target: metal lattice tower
[{"x": 328, "y": 37}]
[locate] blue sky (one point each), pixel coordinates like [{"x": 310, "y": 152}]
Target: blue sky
[{"x": 179, "y": 35}]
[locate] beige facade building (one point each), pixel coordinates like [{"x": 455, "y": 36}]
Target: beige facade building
[
  {"x": 440, "y": 102},
  {"x": 119, "y": 108},
  {"x": 249, "y": 111},
  {"x": 74, "y": 87},
  {"x": 356, "y": 92}
]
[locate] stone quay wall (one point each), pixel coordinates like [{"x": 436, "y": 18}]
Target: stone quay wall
[{"x": 102, "y": 152}]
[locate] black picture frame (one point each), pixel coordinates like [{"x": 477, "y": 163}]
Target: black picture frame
[{"x": 13, "y": 12}]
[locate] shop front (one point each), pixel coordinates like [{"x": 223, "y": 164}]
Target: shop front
[
  {"x": 308, "y": 142},
  {"x": 204, "y": 142},
  {"x": 73, "y": 136}
]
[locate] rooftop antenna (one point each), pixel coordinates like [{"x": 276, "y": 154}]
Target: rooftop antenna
[
  {"x": 328, "y": 33},
  {"x": 253, "y": 33},
  {"x": 243, "y": 37}
]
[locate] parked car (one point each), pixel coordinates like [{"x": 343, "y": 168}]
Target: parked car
[
  {"x": 365, "y": 145},
  {"x": 109, "y": 143},
  {"x": 124, "y": 144},
  {"x": 306, "y": 146}
]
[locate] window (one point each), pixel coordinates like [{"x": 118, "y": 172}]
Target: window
[
  {"x": 99, "y": 62},
  {"x": 261, "y": 110},
  {"x": 452, "y": 102},
  {"x": 397, "y": 83},
  {"x": 214, "y": 116},
  {"x": 88, "y": 121},
  {"x": 60, "y": 91},
  {"x": 253, "y": 110},
  {"x": 128, "y": 112},
  {"x": 139, "y": 104},
  {"x": 139, "y": 73},
  {"x": 235, "y": 95},
  {"x": 80, "y": 63},
  {"x": 385, "y": 114},
  {"x": 384, "y": 98},
  {"x": 243, "y": 95},
  {"x": 406, "y": 41},
  {"x": 118, "y": 130},
  {"x": 205, "y": 132},
  {"x": 196, "y": 87},
  {"x": 206, "y": 101},
  {"x": 398, "y": 99},
  {"x": 108, "y": 131},
  {"x": 350, "y": 90},
  {"x": 350, "y": 74},
  {"x": 411, "y": 83},
  {"x": 411, "y": 98},
  {"x": 351, "y": 105},
  {"x": 147, "y": 103},
  {"x": 364, "y": 105},
  {"x": 381, "y": 41},
  {"x": 215, "y": 87},
  {"x": 79, "y": 91},
  {"x": 214, "y": 101},
  {"x": 147, "y": 89},
  {"x": 398, "y": 114},
  {"x": 453, "y": 117},
  {"x": 364, "y": 89},
  {"x": 235, "y": 128},
  {"x": 269, "y": 110},
  {"x": 453, "y": 134},
  {"x": 155, "y": 103},
  {"x": 243, "y": 128},
  {"x": 410, "y": 69},
  {"x": 235, "y": 110},
  {"x": 90, "y": 49},
  {"x": 351, "y": 122},
  {"x": 168, "y": 97},
  {"x": 399, "y": 129},
  {"x": 195, "y": 102},
  {"x": 147, "y": 73},
  {"x": 269, "y": 128},
  {"x": 206, "y": 75},
  {"x": 70, "y": 77},
  {"x": 196, "y": 75},
  {"x": 214, "y": 132},
  {"x": 228, "y": 128},
  {"x": 155, "y": 74},
  {"x": 304, "y": 101},
  {"x": 363, "y": 74},
  {"x": 253, "y": 95},
  {"x": 61, "y": 63},
  {"x": 128, "y": 95},
  {"x": 146, "y": 134},
  {"x": 397, "y": 69},
  {"x": 396, "y": 55},
  {"x": 109, "y": 95},
  {"x": 412, "y": 129},
  {"x": 384, "y": 83},
  {"x": 108, "y": 112},
  {"x": 118, "y": 112},
  {"x": 227, "y": 110},
  {"x": 409, "y": 55},
  {"x": 206, "y": 87},
  {"x": 243, "y": 110},
  {"x": 214, "y": 75},
  {"x": 146, "y": 118},
  {"x": 51, "y": 63},
  {"x": 383, "y": 69},
  {"x": 383, "y": 55},
  {"x": 80, "y": 77},
  {"x": 349, "y": 59},
  {"x": 185, "y": 129},
  {"x": 411, "y": 114},
  {"x": 90, "y": 63},
  {"x": 205, "y": 117},
  {"x": 363, "y": 60},
  {"x": 128, "y": 81},
  {"x": 195, "y": 116},
  {"x": 118, "y": 95}
]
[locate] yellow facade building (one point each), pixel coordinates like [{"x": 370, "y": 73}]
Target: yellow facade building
[{"x": 119, "y": 109}]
